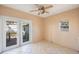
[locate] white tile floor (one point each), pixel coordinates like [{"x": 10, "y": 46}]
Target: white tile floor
[{"x": 42, "y": 47}]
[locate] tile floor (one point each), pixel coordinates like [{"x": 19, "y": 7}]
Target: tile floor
[{"x": 42, "y": 47}]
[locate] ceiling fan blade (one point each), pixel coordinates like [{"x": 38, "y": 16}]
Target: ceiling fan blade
[
  {"x": 34, "y": 10},
  {"x": 49, "y": 7}
]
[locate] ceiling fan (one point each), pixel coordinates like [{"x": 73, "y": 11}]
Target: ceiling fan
[{"x": 41, "y": 8}]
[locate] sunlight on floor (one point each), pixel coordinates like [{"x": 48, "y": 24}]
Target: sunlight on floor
[{"x": 42, "y": 47}]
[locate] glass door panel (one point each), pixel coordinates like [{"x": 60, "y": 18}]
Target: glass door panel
[
  {"x": 25, "y": 32},
  {"x": 11, "y": 33}
]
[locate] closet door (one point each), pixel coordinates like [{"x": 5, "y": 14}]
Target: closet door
[
  {"x": 10, "y": 33},
  {"x": 26, "y": 32}
]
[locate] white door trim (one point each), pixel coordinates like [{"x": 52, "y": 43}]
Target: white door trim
[{"x": 1, "y": 30}]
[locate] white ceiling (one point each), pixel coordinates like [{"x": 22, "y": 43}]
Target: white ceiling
[{"x": 57, "y": 8}]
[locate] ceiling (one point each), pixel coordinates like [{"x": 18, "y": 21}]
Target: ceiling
[{"x": 57, "y": 8}]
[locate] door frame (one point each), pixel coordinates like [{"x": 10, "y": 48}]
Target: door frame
[
  {"x": 30, "y": 31},
  {"x": 5, "y": 18}
]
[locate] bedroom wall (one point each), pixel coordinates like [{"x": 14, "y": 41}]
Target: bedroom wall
[
  {"x": 37, "y": 22},
  {"x": 48, "y": 28},
  {"x": 68, "y": 39}
]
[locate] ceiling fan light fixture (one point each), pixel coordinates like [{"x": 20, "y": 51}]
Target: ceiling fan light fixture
[{"x": 41, "y": 8}]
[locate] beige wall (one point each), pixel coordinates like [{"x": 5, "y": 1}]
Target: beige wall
[
  {"x": 68, "y": 39},
  {"x": 37, "y": 22}
]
